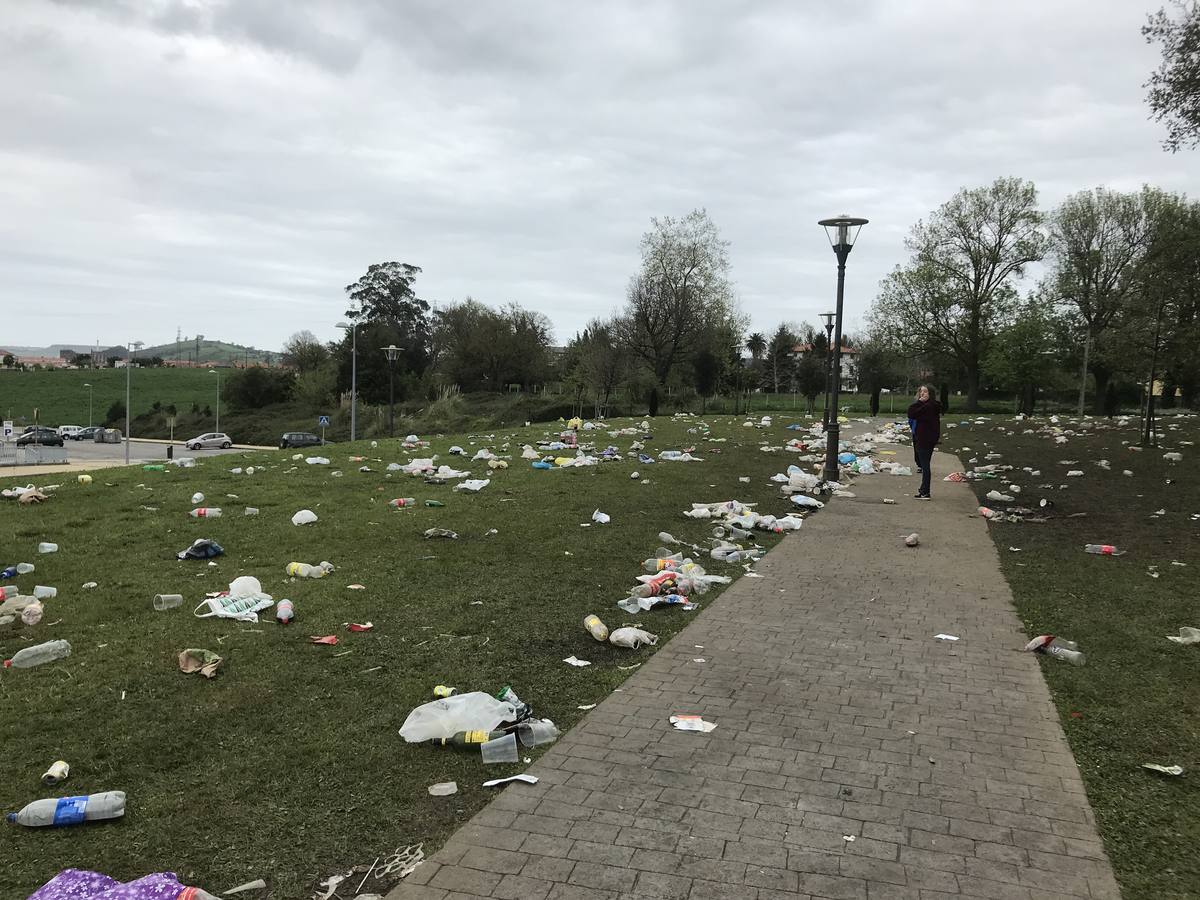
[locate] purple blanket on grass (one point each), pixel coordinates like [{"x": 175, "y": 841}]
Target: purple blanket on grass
[{"x": 76, "y": 884}]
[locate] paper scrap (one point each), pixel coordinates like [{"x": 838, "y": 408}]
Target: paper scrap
[
  {"x": 523, "y": 778},
  {"x": 587, "y": 707},
  {"x": 443, "y": 789},
  {"x": 329, "y": 639},
  {"x": 1166, "y": 770},
  {"x": 575, "y": 661},
  {"x": 692, "y": 723},
  {"x": 946, "y": 637}
]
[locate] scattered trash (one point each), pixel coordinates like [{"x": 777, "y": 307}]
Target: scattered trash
[
  {"x": 304, "y": 517},
  {"x": 356, "y": 587},
  {"x": 946, "y": 637},
  {"x": 447, "y": 716},
  {"x": 47, "y": 547},
  {"x": 197, "y": 498},
  {"x": 474, "y": 485},
  {"x": 38, "y": 654},
  {"x": 206, "y": 512},
  {"x": 443, "y": 789},
  {"x": 912, "y": 540},
  {"x": 574, "y": 661},
  {"x": 32, "y": 613},
  {"x": 256, "y": 885},
  {"x": 523, "y": 778},
  {"x": 499, "y": 750},
  {"x": 587, "y": 706},
  {"x": 441, "y": 533},
  {"x": 889, "y": 501},
  {"x": 1165, "y": 770},
  {"x": 85, "y": 479},
  {"x": 596, "y": 628},
  {"x": 848, "y": 838},
  {"x": 692, "y": 723},
  {"x": 1103, "y": 550},
  {"x": 304, "y": 570},
  {"x": 197, "y": 660},
  {"x": 285, "y": 612},
  {"x": 1057, "y": 647},
  {"x": 1187, "y": 635},
  {"x": 441, "y": 690},
  {"x": 201, "y": 548},
  {"x": 163, "y": 602},
  {"x": 57, "y": 772},
  {"x": 601, "y": 518},
  {"x": 242, "y": 601},
  {"x": 328, "y": 640},
  {"x": 632, "y": 638},
  {"x": 61, "y": 811}
]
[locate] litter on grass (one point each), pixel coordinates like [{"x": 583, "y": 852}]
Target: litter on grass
[
  {"x": 443, "y": 789},
  {"x": 1187, "y": 635},
  {"x": 205, "y": 662},
  {"x": 575, "y": 661}
]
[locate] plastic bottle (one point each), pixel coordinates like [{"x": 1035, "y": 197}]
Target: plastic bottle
[
  {"x": 284, "y": 612},
  {"x": 24, "y": 568},
  {"x": 595, "y": 627},
  {"x": 9, "y": 590},
  {"x": 657, "y": 565},
  {"x": 434, "y": 503},
  {"x": 442, "y": 691},
  {"x": 59, "y": 811},
  {"x": 47, "y": 547},
  {"x": 38, "y": 654},
  {"x": 10, "y": 572},
  {"x": 251, "y": 511},
  {"x": 206, "y": 512},
  {"x": 44, "y": 592},
  {"x": 1103, "y": 550},
  {"x": 401, "y": 502},
  {"x": 467, "y": 739},
  {"x": 154, "y": 467},
  {"x": 1059, "y": 651}
]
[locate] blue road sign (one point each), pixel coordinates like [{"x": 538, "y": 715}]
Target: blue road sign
[{"x": 323, "y": 422}]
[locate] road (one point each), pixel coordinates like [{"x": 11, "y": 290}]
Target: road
[{"x": 90, "y": 455}]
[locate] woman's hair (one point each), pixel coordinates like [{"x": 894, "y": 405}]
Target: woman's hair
[{"x": 931, "y": 389}]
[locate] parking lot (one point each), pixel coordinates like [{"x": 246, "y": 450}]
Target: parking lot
[{"x": 90, "y": 455}]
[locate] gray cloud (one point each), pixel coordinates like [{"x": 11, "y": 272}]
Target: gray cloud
[{"x": 229, "y": 167}]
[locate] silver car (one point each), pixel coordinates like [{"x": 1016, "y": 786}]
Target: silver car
[{"x": 209, "y": 441}]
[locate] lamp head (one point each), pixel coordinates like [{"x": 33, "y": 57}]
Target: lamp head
[
  {"x": 842, "y": 231},
  {"x": 392, "y": 352}
]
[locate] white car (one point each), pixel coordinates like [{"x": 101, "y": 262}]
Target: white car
[
  {"x": 69, "y": 431},
  {"x": 209, "y": 441}
]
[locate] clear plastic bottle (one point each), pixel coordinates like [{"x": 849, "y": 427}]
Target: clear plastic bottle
[
  {"x": 657, "y": 565},
  {"x": 24, "y": 568},
  {"x": 284, "y": 612},
  {"x": 595, "y": 627},
  {"x": 1103, "y": 550},
  {"x": 206, "y": 512},
  {"x": 60, "y": 811},
  {"x": 402, "y": 502},
  {"x": 38, "y": 654},
  {"x": 47, "y": 547}
]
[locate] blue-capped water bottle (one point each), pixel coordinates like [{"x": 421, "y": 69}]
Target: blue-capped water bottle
[{"x": 61, "y": 811}]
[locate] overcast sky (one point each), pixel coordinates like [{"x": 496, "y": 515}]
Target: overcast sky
[{"x": 228, "y": 167}]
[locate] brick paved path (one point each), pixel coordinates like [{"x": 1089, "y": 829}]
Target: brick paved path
[{"x": 839, "y": 716}]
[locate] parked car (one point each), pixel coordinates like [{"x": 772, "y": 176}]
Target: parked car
[
  {"x": 209, "y": 441},
  {"x": 86, "y": 434},
  {"x": 69, "y": 431},
  {"x": 45, "y": 437},
  {"x": 298, "y": 439}
]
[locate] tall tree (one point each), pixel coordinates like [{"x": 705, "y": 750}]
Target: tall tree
[
  {"x": 303, "y": 352},
  {"x": 779, "y": 353},
  {"x": 1174, "y": 88},
  {"x": 481, "y": 348},
  {"x": 600, "y": 362},
  {"x": 1100, "y": 239},
  {"x": 956, "y": 291},
  {"x": 1022, "y": 357},
  {"x": 757, "y": 345},
  {"x": 681, "y": 289}
]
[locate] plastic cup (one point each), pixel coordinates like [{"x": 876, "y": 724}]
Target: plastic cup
[
  {"x": 167, "y": 601},
  {"x": 251, "y": 511},
  {"x": 47, "y": 547},
  {"x": 44, "y": 592},
  {"x": 501, "y": 750}
]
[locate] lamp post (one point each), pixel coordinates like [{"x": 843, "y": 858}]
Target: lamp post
[
  {"x": 89, "y": 387},
  {"x": 842, "y": 232},
  {"x": 828, "y": 317},
  {"x": 353, "y": 327},
  {"x": 392, "y": 351},
  {"x": 218, "y": 374},
  {"x": 135, "y": 347}
]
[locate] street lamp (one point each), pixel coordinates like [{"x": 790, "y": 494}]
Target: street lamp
[
  {"x": 89, "y": 387},
  {"x": 392, "y": 352},
  {"x": 218, "y": 374},
  {"x": 136, "y": 346},
  {"x": 842, "y": 232},
  {"x": 353, "y": 326},
  {"x": 828, "y": 317}
]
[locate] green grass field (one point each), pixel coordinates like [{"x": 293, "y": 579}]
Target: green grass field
[
  {"x": 1137, "y": 699},
  {"x": 288, "y": 765}
]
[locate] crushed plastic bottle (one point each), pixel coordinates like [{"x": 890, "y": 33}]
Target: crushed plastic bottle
[
  {"x": 206, "y": 512},
  {"x": 284, "y": 612},
  {"x": 1048, "y": 644},
  {"x": 595, "y": 627},
  {"x": 401, "y": 502},
  {"x": 1103, "y": 550},
  {"x": 39, "y": 653}
]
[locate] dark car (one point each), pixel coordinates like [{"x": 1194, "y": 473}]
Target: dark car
[
  {"x": 86, "y": 434},
  {"x": 298, "y": 439},
  {"x": 45, "y": 437}
]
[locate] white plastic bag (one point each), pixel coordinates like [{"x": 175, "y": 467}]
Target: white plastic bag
[
  {"x": 632, "y": 637},
  {"x": 447, "y": 716},
  {"x": 304, "y": 517},
  {"x": 473, "y": 484}
]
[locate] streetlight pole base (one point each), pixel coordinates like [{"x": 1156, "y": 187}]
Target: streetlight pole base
[{"x": 831, "y": 472}]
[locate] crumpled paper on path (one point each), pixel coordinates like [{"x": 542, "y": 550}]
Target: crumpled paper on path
[{"x": 203, "y": 661}]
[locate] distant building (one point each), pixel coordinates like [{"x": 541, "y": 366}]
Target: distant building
[
  {"x": 849, "y": 363},
  {"x": 100, "y": 358}
]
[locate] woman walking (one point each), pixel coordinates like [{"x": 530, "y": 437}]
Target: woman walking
[{"x": 927, "y": 414}]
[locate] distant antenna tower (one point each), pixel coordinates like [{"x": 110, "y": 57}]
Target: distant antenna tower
[{"x": 178, "y": 341}]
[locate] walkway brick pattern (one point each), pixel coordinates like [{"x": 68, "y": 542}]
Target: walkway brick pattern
[{"x": 855, "y": 758}]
